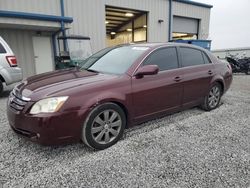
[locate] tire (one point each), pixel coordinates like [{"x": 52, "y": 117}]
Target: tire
[
  {"x": 214, "y": 95},
  {"x": 104, "y": 126},
  {"x": 1, "y": 87}
]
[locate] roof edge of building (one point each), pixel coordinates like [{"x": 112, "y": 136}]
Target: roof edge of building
[
  {"x": 195, "y": 3},
  {"x": 35, "y": 16}
]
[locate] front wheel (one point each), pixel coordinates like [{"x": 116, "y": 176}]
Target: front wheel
[
  {"x": 104, "y": 126},
  {"x": 212, "y": 100}
]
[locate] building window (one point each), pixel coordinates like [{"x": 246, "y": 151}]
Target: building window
[{"x": 125, "y": 26}]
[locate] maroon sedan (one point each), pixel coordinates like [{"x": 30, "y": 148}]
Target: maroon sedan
[{"x": 116, "y": 88}]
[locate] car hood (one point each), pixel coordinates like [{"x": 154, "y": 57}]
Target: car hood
[{"x": 57, "y": 82}]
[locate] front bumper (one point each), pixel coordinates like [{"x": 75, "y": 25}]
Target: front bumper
[{"x": 48, "y": 129}]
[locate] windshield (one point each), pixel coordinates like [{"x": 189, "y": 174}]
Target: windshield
[{"x": 114, "y": 60}]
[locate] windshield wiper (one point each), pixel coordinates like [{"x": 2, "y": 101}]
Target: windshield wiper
[{"x": 91, "y": 70}]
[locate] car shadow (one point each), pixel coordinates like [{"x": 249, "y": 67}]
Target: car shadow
[
  {"x": 52, "y": 152},
  {"x": 57, "y": 150}
]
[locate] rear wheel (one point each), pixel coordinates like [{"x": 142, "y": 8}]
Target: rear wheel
[
  {"x": 104, "y": 126},
  {"x": 212, "y": 100}
]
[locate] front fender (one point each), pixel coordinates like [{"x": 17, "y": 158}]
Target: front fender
[
  {"x": 122, "y": 100},
  {"x": 106, "y": 97}
]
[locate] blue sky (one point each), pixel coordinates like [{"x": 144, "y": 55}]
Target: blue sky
[{"x": 229, "y": 23}]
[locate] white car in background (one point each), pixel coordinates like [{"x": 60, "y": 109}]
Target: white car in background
[{"x": 9, "y": 72}]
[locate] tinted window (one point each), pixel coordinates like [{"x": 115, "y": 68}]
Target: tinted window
[
  {"x": 2, "y": 50},
  {"x": 191, "y": 57},
  {"x": 166, "y": 59},
  {"x": 206, "y": 59}
]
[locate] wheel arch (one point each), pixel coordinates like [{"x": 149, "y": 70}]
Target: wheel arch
[
  {"x": 115, "y": 98},
  {"x": 89, "y": 141},
  {"x": 221, "y": 84},
  {"x": 220, "y": 81},
  {"x": 125, "y": 110}
]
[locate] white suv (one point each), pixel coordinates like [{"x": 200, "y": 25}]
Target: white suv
[{"x": 9, "y": 72}]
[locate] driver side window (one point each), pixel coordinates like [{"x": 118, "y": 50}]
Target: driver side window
[{"x": 165, "y": 58}]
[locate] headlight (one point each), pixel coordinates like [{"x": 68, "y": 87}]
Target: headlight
[{"x": 48, "y": 105}]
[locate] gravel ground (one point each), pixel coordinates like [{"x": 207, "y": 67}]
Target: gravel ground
[{"x": 192, "y": 148}]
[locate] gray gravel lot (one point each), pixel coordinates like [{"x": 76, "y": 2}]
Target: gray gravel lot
[{"x": 188, "y": 149}]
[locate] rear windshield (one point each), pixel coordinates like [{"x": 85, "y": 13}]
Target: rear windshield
[{"x": 2, "y": 49}]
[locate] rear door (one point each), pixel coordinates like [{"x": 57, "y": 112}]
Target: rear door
[
  {"x": 198, "y": 71},
  {"x": 157, "y": 93}
]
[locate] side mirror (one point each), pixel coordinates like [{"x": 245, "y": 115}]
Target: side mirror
[{"x": 147, "y": 70}]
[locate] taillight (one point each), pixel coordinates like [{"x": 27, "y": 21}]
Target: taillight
[{"x": 12, "y": 61}]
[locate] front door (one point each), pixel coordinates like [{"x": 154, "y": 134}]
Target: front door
[
  {"x": 43, "y": 54},
  {"x": 154, "y": 94}
]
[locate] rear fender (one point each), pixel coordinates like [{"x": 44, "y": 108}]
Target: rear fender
[{"x": 219, "y": 79}]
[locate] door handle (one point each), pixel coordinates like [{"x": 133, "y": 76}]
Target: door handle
[
  {"x": 210, "y": 72},
  {"x": 177, "y": 78}
]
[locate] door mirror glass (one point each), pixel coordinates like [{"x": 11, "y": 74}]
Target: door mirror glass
[{"x": 147, "y": 70}]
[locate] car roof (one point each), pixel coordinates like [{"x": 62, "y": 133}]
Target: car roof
[{"x": 162, "y": 44}]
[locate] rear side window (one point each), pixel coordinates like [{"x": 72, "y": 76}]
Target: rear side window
[
  {"x": 206, "y": 59},
  {"x": 191, "y": 57},
  {"x": 165, "y": 58},
  {"x": 2, "y": 49}
]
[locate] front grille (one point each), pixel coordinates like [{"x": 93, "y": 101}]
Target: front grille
[{"x": 16, "y": 103}]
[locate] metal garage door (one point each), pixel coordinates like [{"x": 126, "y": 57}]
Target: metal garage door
[{"x": 185, "y": 25}]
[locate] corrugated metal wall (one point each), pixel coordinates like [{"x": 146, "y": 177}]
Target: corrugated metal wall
[
  {"x": 186, "y": 10},
  {"x": 89, "y": 18},
  {"x": 33, "y": 6},
  {"x": 21, "y": 44}
]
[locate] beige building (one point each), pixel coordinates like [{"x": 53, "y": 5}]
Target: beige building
[{"x": 32, "y": 26}]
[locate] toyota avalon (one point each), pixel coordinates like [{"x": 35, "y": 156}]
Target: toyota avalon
[{"x": 116, "y": 88}]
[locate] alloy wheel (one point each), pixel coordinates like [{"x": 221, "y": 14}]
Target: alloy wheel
[
  {"x": 214, "y": 97},
  {"x": 106, "y": 126}
]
